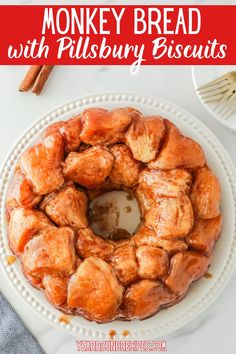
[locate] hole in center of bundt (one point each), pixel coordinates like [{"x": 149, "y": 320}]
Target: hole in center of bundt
[{"x": 114, "y": 215}]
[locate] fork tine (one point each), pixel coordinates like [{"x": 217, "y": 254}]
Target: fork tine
[
  {"x": 232, "y": 97},
  {"x": 225, "y": 109},
  {"x": 221, "y": 108},
  {"x": 215, "y": 87},
  {"x": 229, "y": 111},
  {"x": 213, "y": 82},
  {"x": 212, "y": 99},
  {"x": 226, "y": 112},
  {"x": 226, "y": 97},
  {"x": 216, "y": 108},
  {"x": 214, "y": 93}
]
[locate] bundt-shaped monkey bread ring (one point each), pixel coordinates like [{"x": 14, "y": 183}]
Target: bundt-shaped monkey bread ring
[{"x": 101, "y": 279}]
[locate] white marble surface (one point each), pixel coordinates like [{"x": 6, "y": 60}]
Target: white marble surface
[{"x": 213, "y": 331}]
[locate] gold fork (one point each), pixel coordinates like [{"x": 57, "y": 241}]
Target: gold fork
[{"x": 223, "y": 91}]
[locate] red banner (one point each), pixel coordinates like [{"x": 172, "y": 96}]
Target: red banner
[{"x": 118, "y": 35}]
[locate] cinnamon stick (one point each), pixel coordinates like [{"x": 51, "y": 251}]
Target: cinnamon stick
[
  {"x": 30, "y": 78},
  {"x": 42, "y": 78}
]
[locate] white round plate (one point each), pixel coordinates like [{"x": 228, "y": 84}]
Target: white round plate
[
  {"x": 203, "y": 292},
  {"x": 203, "y": 75}
]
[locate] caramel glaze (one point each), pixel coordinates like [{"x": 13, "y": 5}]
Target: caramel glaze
[
  {"x": 172, "y": 151},
  {"x": 128, "y": 209}
]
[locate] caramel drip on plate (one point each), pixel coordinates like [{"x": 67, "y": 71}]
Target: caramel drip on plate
[
  {"x": 112, "y": 334},
  {"x": 125, "y": 333},
  {"x": 11, "y": 260},
  {"x": 65, "y": 319},
  {"x": 208, "y": 276}
]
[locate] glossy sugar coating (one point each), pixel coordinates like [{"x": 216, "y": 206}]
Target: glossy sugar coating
[{"x": 102, "y": 280}]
